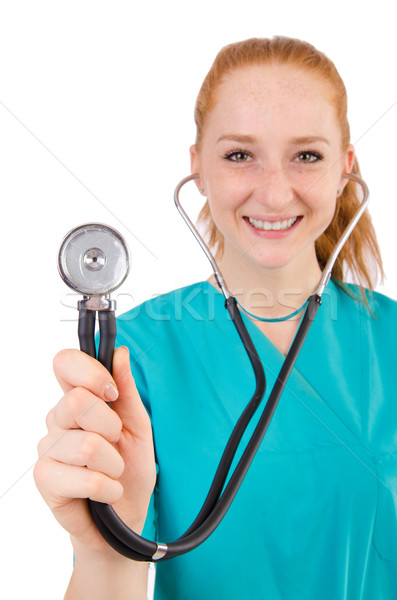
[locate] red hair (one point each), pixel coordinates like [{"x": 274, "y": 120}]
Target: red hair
[{"x": 360, "y": 255}]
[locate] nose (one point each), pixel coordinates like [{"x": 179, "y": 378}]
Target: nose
[{"x": 274, "y": 190}]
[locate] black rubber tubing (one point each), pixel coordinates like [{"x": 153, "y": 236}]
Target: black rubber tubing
[
  {"x": 86, "y": 331},
  {"x": 103, "y": 514},
  {"x": 130, "y": 544},
  {"x": 107, "y": 338},
  {"x": 190, "y": 542}
]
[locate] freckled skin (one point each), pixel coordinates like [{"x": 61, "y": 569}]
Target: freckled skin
[{"x": 274, "y": 106}]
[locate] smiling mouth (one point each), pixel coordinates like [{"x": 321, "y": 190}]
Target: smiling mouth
[{"x": 282, "y": 225}]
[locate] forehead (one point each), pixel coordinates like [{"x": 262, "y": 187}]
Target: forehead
[{"x": 267, "y": 95}]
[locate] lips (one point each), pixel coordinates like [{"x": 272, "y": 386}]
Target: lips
[
  {"x": 273, "y": 227},
  {"x": 278, "y": 225}
]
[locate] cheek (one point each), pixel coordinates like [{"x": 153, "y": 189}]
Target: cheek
[
  {"x": 312, "y": 182},
  {"x": 320, "y": 191},
  {"x": 322, "y": 208},
  {"x": 229, "y": 190},
  {"x": 223, "y": 209},
  {"x": 328, "y": 216},
  {"x": 225, "y": 195},
  {"x": 220, "y": 211}
]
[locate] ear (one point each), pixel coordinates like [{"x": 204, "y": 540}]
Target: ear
[
  {"x": 348, "y": 163},
  {"x": 349, "y": 158},
  {"x": 195, "y": 167},
  {"x": 193, "y": 159}
]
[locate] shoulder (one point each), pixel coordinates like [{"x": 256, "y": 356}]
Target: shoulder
[
  {"x": 347, "y": 317},
  {"x": 380, "y": 307},
  {"x": 375, "y": 325},
  {"x": 185, "y": 302},
  {"x": 383, "y": 306},
  {"x": 168, "y": 317},
  {"x": 164, "y": 333},
  {"x": 156, "y": 330}
]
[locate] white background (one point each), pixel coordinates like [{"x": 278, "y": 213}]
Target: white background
[{"x": 96, "y": 118}]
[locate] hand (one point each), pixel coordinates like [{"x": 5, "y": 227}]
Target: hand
[{"x": 94, "y": 451}]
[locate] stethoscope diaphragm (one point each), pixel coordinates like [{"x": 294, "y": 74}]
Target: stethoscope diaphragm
[{"x": 93, "y": 259}]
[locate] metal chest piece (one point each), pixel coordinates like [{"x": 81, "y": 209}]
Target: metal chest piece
[{"x": 93, "y": 260}]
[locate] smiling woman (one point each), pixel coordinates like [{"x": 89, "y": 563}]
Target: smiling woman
[
  {"x": 315, "y": 516},
  {"x": 262, "y": 177},
  {"x": 284, "y": 71}
]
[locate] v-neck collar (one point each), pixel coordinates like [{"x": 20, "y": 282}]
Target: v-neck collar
[
  {"x": 314, "y": 382},
  {"x": 258, "y": 336}
]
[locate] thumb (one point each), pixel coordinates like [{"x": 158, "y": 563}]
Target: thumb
[{"x": 129, "y": 405}]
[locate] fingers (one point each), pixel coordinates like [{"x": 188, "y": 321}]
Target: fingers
[
  {"x": 82, "y": 454},
  {"x": 74, "y": 368},
  {"x": 80, "y": 409},
  {"x": 58, "y": 481},
  {"x": 83, "y": 449},
  {"x": 129, "y": 405},
  {"x": 83, "y": 428}
]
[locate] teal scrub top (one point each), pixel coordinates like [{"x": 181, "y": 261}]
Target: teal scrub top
[{"x": 316, "y": 515}]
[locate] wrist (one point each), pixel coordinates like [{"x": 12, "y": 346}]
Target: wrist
[
  {"x": 102, "y": 555},
  {"x": 91, "y": 543},
  {"x": 104, "y": 573}
]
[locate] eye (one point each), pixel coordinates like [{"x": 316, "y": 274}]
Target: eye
[
  {"x": 309, "y": 156},
  {"x": 238, "y": 156}
]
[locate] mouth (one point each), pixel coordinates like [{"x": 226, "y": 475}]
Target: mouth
[{"x": 274, "y": 225}]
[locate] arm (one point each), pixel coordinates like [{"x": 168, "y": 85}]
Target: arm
[
  {"x": 94, "y": 451},
  {"x": 102, "y": 576}
]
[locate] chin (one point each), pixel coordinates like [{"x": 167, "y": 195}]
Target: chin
[
  {"x": 269, "y": 261},
  {"x": 302, "y": 262}
]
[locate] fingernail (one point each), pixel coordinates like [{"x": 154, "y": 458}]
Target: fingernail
[{"x": 111, "y": 393}]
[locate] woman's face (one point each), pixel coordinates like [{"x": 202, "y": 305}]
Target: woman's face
[{"x": 271, "y": 163}]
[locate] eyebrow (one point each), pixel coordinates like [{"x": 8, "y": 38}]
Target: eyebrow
[
  {"x": 309, "y": 139},
  {"x": 249, "y": 139},
  {"x": 237, "y": 137}
]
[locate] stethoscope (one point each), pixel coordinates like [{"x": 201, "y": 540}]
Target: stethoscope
[{"x": 94, "y": 261}]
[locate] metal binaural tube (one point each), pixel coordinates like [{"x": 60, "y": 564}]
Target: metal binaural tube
[
  {"x": 193, "y": 229},
  {"x": 331, "y": 261},
  {"x": 334, "y": 255}
]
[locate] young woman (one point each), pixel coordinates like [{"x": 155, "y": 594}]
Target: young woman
[{"x": 316, "y": 514}]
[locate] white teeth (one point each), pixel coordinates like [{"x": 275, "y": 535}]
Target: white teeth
[{"x": 273, "y": 225}]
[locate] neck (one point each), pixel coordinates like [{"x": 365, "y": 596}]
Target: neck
[{"x": 271, "y": 292}]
